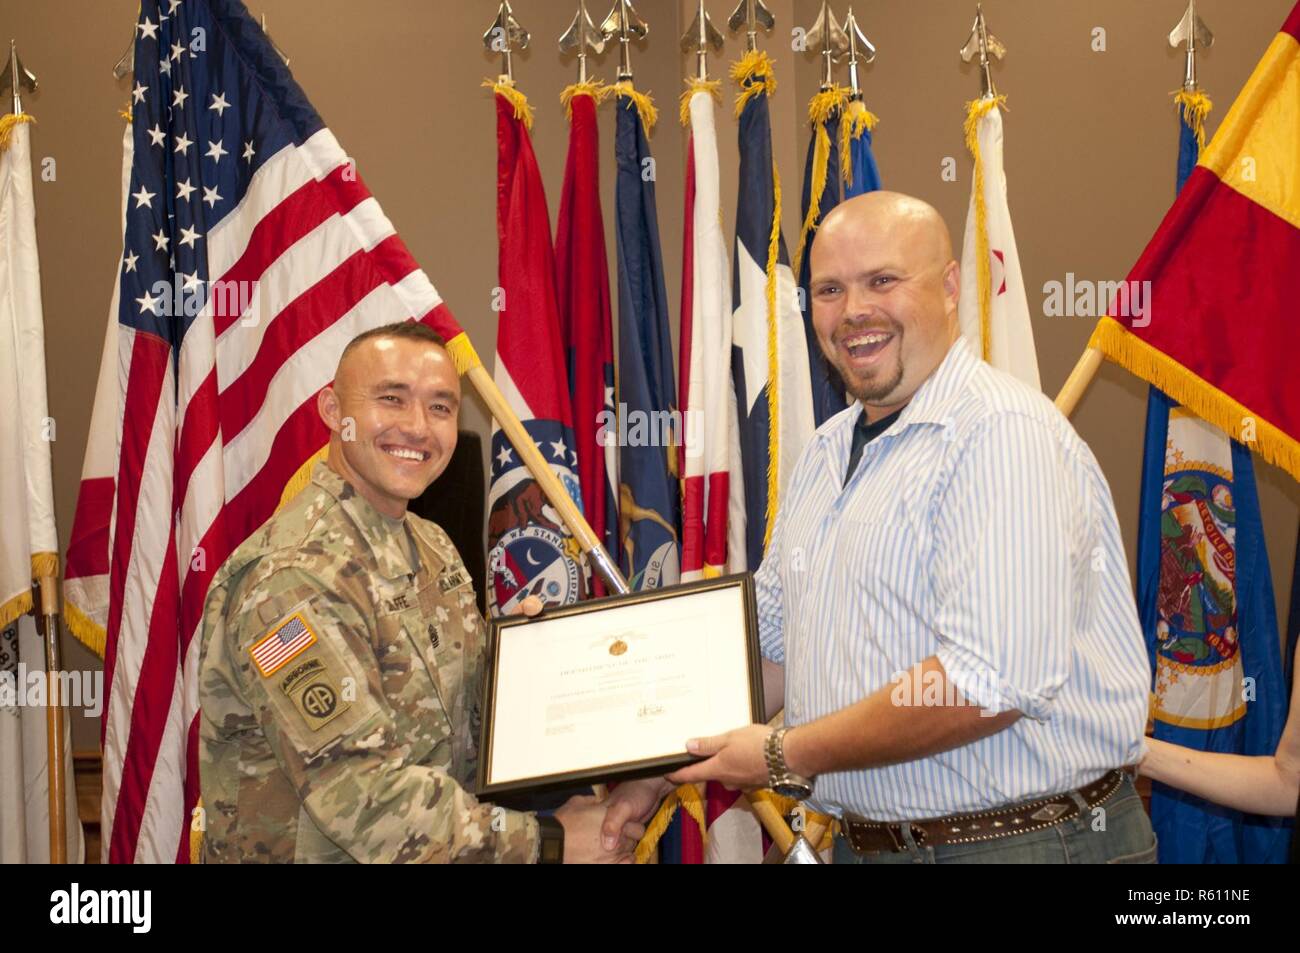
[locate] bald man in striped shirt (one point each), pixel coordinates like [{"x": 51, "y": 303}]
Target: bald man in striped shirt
[{"x": 945, "y": 606}]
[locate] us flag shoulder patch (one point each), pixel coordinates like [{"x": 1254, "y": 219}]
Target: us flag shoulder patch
[{"x": 290, "y": 638}]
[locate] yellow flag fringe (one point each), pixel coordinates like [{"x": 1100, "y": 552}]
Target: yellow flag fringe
[
  {"x": 976, "y": 110},
  {"x": 8, "y": 124},
  {"x": 19, "y": 605},
  {"x": 592, "y": 87},
  {"x": 84, "y": 629},
  {"x": 45, "y": 564},
  {"x": 301, "y": 477},
  {"x": 855, "y": 120},
  {"x": 821, "y": 109},
  {"x": 644, "y": 105},
  {"x": 463, "y": 355},
  {"x": 1197, "y": 395},
  {"x": 688, "y": 797},
  {"x": 753, "y": 72},
  {"x": 1194, "y": 107},
  {"x": 696, "y": 85},
  {"x": 523, "y": 111}
]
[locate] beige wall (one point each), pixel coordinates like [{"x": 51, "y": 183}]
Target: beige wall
[{"x": 1090, "y": 152}]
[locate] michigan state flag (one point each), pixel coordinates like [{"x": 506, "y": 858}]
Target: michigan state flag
[
  {"x": 649, "y": 496},
  {"x": 1205, "y": 599}
]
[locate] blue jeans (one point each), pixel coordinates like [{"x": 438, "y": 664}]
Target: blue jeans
[{"x": 1125, "y": 837}]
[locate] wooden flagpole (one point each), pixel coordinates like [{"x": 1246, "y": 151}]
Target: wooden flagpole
[{"x": 1075, "y": 385}]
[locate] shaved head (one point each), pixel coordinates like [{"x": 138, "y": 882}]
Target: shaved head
[{"x": 884, "y": 291}]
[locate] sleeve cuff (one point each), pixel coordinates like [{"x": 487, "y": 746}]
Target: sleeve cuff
[
  {"x": 518, "y": 840},
  {"x": 982, "y": 685}
]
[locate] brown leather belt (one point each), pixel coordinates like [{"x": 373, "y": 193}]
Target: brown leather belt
[{"x": 866, "y": 837}]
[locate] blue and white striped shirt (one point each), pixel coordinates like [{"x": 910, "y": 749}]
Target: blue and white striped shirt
[{"x": 979, "y": 529}]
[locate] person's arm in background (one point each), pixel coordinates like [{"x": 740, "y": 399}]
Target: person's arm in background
[{"x": 1259, "y": 784}]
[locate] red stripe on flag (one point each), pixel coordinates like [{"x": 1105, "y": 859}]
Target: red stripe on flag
[
  {"x": 1292, "y": 24},
  {"x": 88, "y": 545},
  {"x": 299, "y": 322},
  {"x": 149, "y": 360},
  {"x": 151, "y": 705},
  {"x": 291, "y": 220},
  {"x": 715, "y": 525}
]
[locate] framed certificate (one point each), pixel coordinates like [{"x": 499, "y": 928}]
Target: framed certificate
[{"x": 613, "y": 688}]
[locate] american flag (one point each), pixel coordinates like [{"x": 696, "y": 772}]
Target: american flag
[
  {"x": 279, "y": 648},
  {"x": 252, "y": 253}
]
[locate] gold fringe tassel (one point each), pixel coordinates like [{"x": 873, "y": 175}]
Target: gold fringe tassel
[
  {"x": 976, "y": 110},
  {"x": 15, "y": 607},
  {"x": 301, "y": 477},
  {"x": 1193, "y": 108},
  {"x": 593, "y": 88},
  {"x": 855, "y": 120},
  {"x": 463, "y": 354},
  {"x": 45, "y": 564},
  {"x": 688, "y": 797},
  {"x": 753, "y": 72},
  {"x": 1198, "y": 395},
  {"x": 84, "y": 629},
  {"x": 821, "y": 109},
  {"x": 645, "y": 106},
  {"x": 7, "y": 126},
  {"x": 773, "y": 364},
  {"x": 523, "y": 111},
  {"x": 711, "y": 86}
]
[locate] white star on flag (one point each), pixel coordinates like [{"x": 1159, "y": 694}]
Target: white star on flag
[
  {"x": 179, "y": 97},
  {"x": 191, "y": 281},
  {"x": 138, "y": 93},
  {"x": 183, "y": 189},
  {"x": 147, "y": 303},
  {"x": 130, "y": 261},
  {"x": 219, "y": 104},
  {"x": 157, "y": 135},
  {"x": 189, "y": 236},
  {"x": 177, "y": 50},
  {"x": 148, "y": 28},
  {"x": 558, "y": 448},
  {"x": 161, "y": 240},
  {"x": 248, "y": 150},
  {"x": 211, "y": 196},
  {"x": 215, "y": 151},
  {"x": 183, "y": 143},
  {"x": 143, "y": 197},
  {"x": 504, "y": 456}
]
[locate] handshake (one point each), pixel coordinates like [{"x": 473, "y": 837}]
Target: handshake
[{"x": 607, "y": 832}]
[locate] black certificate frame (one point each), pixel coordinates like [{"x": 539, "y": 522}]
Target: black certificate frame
[{"x": 622, "y": 770}]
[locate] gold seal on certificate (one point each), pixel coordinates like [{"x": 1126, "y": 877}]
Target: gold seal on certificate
[{"x": 612, "y": 688}]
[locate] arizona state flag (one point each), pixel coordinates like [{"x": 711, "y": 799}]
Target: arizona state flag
[
  {"x": 1219, "y": 336},
  {"x": 649, "y": 495},
  {"x": 1205, "y": 598},
  {"x": 769, "y": 345},
  {"x": 705, "y": 347},
  {"x": 582, "y": 286},
  {"x": 530, "y": 552}
]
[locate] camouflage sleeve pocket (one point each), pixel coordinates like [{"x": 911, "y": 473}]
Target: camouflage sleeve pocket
[{"x": 310, "y": 695}]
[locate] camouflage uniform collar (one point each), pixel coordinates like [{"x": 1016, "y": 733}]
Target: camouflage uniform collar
[{"x": 389, "y": 540}]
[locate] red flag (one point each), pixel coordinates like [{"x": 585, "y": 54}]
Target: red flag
[{"x": 582, "y": 286}]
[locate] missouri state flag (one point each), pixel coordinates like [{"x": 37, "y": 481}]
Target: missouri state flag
[
  {"x": 1219, "y": 335},
  {"x": 649, "y": 506},
  {"x": 1205, "y": 598},
  {"x": 582, "y": 289},
  {"x": 530, "y": 552}
]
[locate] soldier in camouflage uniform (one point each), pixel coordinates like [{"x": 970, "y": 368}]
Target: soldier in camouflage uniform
[{"x": 342, "y": 652}]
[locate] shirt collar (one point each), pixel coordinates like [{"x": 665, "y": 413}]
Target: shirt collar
[
  {"x": 387, "y": 538},
  {"x": 929, "y": 405}
]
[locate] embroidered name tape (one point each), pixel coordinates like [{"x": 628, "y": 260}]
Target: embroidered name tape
[{"x": 289, "y": 639}]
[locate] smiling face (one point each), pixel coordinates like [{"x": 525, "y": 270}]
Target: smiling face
[
  {"x": 392, "y": 414},
  {"x": 884, "y": 291}
]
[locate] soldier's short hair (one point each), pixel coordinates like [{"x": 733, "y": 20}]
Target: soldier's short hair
[{"x": 404, "y": 330}]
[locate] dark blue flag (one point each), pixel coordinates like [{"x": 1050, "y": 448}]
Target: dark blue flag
[{"x": 649, "y": 497}]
